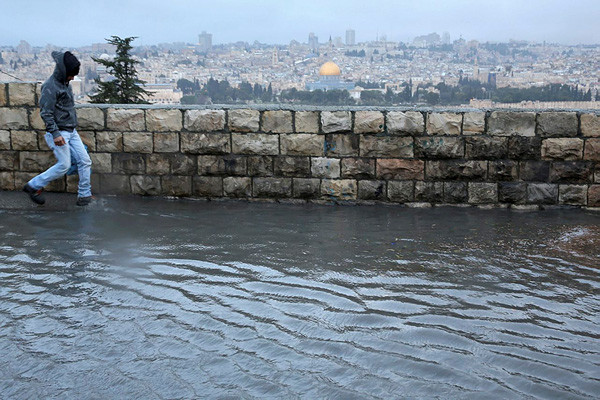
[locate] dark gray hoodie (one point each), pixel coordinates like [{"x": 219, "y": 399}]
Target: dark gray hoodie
[{"x": 56, "y": 103}]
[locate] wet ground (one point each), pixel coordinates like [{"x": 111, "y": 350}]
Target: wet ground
[{"x": 151, "y": 298}]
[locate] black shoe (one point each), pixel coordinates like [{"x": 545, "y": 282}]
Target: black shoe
[
  {"x": 34, "y": 195},
  {"x": 84, "y": 201}
]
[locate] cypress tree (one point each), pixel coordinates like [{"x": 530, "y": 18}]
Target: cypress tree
[{"x": 125, "y": 88}]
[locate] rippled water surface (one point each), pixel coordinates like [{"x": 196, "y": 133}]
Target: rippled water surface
[{"x": 149, "y": 298}]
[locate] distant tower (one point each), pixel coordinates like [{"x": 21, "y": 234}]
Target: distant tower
[
  {"x": 275, "y": 56},
  {"x": 445, "y": 38},
  {"x": 476, "y": 69},
  {"x": 313, "y": 41},
  {"x": 330, "y": 44},
  {"x": 350, "y": 37},
  {"x": 205, "y": 41}
]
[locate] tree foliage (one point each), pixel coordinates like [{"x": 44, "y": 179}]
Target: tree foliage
[{"x": 125, "y": 88}]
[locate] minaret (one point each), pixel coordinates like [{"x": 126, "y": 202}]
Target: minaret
[{"x": 275, "y": 56}]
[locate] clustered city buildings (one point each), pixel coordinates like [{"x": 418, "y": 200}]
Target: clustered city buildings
[{"x": 427, "y": 61}]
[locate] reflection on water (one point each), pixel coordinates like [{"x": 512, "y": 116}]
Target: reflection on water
[{"x": 138, "y": 298}]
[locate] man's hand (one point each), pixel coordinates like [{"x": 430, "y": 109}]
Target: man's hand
[{"x": 59, "y": 141}]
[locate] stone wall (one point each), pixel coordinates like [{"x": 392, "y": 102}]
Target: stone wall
[{"x": 414, "y": 157}]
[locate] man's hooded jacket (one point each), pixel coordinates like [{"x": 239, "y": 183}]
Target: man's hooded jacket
[{"x": 56, "y": 102}]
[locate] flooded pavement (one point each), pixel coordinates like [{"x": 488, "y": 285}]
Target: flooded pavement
[{"x": 151, "y": 298}]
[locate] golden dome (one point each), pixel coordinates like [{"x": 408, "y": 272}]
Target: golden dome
[{"x": 329, "y": 69}]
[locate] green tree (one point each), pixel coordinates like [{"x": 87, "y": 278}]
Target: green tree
[{"x": 125, "y": 87}]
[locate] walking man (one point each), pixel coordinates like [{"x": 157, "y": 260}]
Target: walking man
[{"x": 58, "y": 112}]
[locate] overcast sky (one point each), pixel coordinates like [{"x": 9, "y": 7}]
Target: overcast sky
[{"x": 77, "y": 23}]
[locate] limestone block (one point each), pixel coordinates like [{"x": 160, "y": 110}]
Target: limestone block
[
  {"x": 24, "y": 140},
  {"x": 557, "y": 124},
  {"x": 101, "y": 162},
  {"x": 339, "y": 189},
  {"x": 166, "y": 142},
  {"x": 4, "y": 140},
  {"x": 158, "y": 164},
  {"x": 401, "y": 191},
  {"x": 590, "y": 125},
  {"x": 207, "y": 186},
  {"x": 87, "y": 137},
  {"x": 111, "y": 142},
  {"x": 126, "y": 163},
  {"x": 336, "y": 121},
  {"x": 456, "y": 170},
  {"x": 114, "y": 184},
  {"x": 260, "y": 166},
  {"x": 593, "y": 196},
  {"x": 255, "y": 143},
  {"x": 536, "y": 171},
  {"x": 386, "y": 146},
  {"x": 473, "y": 123},
  {"x": 292, "y": 166},
  {"x": 205, "y": 143},
  {"x": 510, "y": 123},
  {"x": 372, "y": 190},
  {"x": 21, "y": 178},
  {"x": 183, "y": 164},
  {"x": 429, "y": 147},
  {"x": 36, "y": 120},
  {"x": 444, "y": 123},
  {"x": 573, "y": 194},
  {"x": 36, "y": 161},
  {"x": 592, "y": 150},
  {"x": 358, "y": 168},
  {"x": 542, "y": 193},
  {"x": 145, "y": 185},
  {"x": 277, "y": 121},
  {"x": 486, "y": 148},
  {"x": 512, "y": 192},
  {"x": 90, "y": 118},
  {"x": 13, "y": 118},
  {"x": 204, "y": 120},
  {"x": 400, "y": 169},
  {"x": 323, "y": 167},
  {"x": 483, "y": 193},
  {"x": 7, "y": 180},
  {"x": 21, "y": 94},
  {"x": 9, "y": 160},
  {"x": 571, "y": 172},
  {"x": 302, "y": 144},
  {"x": 222, "y": 165},
  {"x": 562, "y": 149},
  {"x": 173, "y": 185},
  {"x": 430, "y": 192},
  {"x": 161, "y": 120},
  {"x": 341, "y": 145},
  {"x": 405, "y": 123},
  {"x": 38, "y": 92},
  {"x": 503, "y": 170},
  {"x": 307, "y": 188},
  {"x": 243, "y": 120},
  {"x": 456, "y": 192},
  {"x": 369, "y": 122},
  {"x": 119, "y": 119},
  {"x": 237, "y": 187},
  {"x": 272, "y": 187},
  {"x": 524, "y": 148},
  {"x": 307, "y": 121},
  {"x": 3, "y": 97},
  {"x": 137, "y": 142}
]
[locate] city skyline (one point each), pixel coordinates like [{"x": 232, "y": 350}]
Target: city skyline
[{"x": 235, "y": 20}]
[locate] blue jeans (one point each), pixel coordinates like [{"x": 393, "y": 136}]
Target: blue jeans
[{"x": 73, "y": 144}]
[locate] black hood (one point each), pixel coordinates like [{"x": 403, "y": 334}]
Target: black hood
[{"x": 60, "y": 72}]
